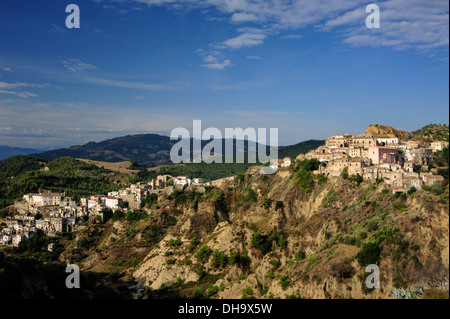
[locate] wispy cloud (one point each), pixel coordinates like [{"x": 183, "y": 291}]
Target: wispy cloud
[
  {"x": 219, "y": 87},
  {"x": 218, "y": 65},
  {"x": 422, "y": 25},
  {"x": 9, "y": 88},
  {"x": 292, "y": 36},
  {"x": 20, "y": 94},
  {"x": 248, "y": 38},
  {"x": 127, "y": 84},
  {"x": 405, "y": 24},
  {"x": 4, "y": 85},
  {"x": 77, "y": 65},
  {"x": 93, "y": 75},
  {"x": 65, "y": 123},
  {"x": 57, "y": 29},
  {"x": 214, "y": 59},
  {"x": 240, "y": 17},
  {"x": 253, "y": 57}
]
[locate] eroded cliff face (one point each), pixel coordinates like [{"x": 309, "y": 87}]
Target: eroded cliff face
[
  {"x": 316, "y": 243},
  {"x": 378, "y": 130}
]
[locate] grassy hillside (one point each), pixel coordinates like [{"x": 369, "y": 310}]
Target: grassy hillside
[{"x": 432, "y": 132}]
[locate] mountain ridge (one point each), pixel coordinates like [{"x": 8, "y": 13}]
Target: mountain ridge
[
  {"x": 8, "y": 151},
  {"x": 149, "y": 149}
]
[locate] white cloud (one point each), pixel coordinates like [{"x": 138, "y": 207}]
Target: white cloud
[
  {"x": 240, "y": 17},
  {"x": 20, "y": 94},
  {"x": 253, "y": 57},
  {"x": 292, "y": 36},
  {"x": 8, "y": 88},
  {"x": 126, "y": 84},
  {"x": 420, "y": 24},
  {"x": 4, "y": 85},
  {"x": 249, "y": 38},
  {"x": 214, "y": 59},
  {"x": 77, "y": 65},
  {"x": 210, "y": 59},
  {"x": 403, "y": 25},
  {"x": 219, "y": 65}
]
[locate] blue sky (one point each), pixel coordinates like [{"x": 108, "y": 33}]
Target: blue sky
[{"x": 310, "y": 68}]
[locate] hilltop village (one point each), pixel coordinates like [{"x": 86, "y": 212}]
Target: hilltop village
[{"x": 398, "y": 164}]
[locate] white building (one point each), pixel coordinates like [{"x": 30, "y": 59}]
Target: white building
[
  {"x": 112, "y": 202},
  {"x": 287, "y": 161},
  {"x": 18, "y": 239},
  {"x": 387, "y": 141},
  {"x": 439, "y": 145},
  {"x": 6, "y": 239},
  {"x": 44, "y": 199},
  {"x": 182, "y": 180},
  {"x": 92, "y": 203},
  {"x": 197, "y": 181}
]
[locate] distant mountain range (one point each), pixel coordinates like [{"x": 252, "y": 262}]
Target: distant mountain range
[
  {"x": 154, "y": 149},
  {"x": 8, "y": 151},
  {"x": 150, "y": 149}
]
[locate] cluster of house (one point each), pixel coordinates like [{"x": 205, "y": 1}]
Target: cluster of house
[
  {"x": 161, "y": 181},
  {"x": 60, "y": 216},
  {"x": 54, "y": 214},
  {"x": 398, "y": 163}
]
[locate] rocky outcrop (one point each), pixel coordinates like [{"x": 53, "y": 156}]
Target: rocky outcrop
[
  {"x": 383, "y": 131},
  {"x": 330, "y": 236}
]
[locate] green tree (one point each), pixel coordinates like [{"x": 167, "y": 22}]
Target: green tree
[
  {"x": 304, "y": 179},
  {"x": 278, "y": 205},
  {"x": 266, "y": 202},
  {"x": 218, "y": 259},
  {"x": 203, "y": 253},
  {"x": 282, "y": 242},
  {"x": 260, "y": 242},
  {"x": 369, "y": 254},
  {"x": 344, "y": 173},
  {"x": 118, "y": 214},
  {"x": 234, "y": 257},
  {"x": 200, "y": 271}
]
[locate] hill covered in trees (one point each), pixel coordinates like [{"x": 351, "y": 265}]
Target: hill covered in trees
[{"x": 27, "y": 174}]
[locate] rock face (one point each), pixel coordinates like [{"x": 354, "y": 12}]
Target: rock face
[
  {"x": 324, "y": 233},
  {"x": 383, "y": 131}
]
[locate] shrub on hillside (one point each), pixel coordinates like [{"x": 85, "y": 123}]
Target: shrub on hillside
[
  {"x": 203, "y": 253},
  {"x": 369, "y": 254}
]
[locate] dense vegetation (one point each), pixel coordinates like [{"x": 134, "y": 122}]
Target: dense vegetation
[
  {"x": 215, "y": 171},
  {"x": 299, "y": 148},
  {"x": 142, "y": 148},
  {"x": 433, "y": 132},
  {"x": 26, "y": 174},
  {"x": 205, "y": 171}
]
